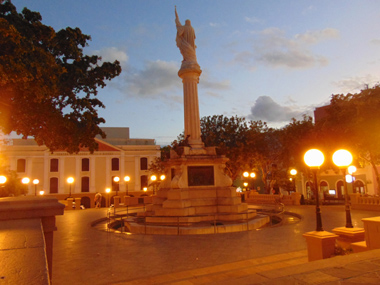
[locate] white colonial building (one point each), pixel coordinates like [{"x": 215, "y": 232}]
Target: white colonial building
[{"x": 118, "y": 155}]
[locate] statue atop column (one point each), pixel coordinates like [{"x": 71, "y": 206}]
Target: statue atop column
[{"x": 186, "y": 42}]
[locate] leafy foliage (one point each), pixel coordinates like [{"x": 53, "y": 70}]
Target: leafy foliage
[
  {"x": 47, "y": 84},
  {"x": 352, "y": 121}
]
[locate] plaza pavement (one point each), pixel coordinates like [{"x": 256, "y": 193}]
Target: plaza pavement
[{"x": 90, "y": 255}]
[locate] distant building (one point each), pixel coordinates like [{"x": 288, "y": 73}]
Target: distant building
[
  {"x": 320, "y": 112},
  {"x": 118, "y": 155},
  {"x": 331, "y": 183}
]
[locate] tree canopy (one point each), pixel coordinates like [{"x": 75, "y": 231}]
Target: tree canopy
[
  {"x": 252, "y": 145},
  {"x": 47, "y": 84},
  {"x": 352, "y": 121}
]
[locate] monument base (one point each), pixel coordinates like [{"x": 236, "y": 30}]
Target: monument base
[{"x": 196, "y": 190}]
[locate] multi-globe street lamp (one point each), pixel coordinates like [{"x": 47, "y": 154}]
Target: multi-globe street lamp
[
  {"x": 249, "y": 175},
  {"x": 343, "y": 158},
  {"x": 314, "y": 158},
  {"x": 156, "y": 181}
]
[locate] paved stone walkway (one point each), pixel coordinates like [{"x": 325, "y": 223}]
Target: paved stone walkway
[{"x": 277, "y": 255}]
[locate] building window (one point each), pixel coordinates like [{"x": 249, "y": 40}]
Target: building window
[
  {"x": 144, "y": 181},
  {"x": 115, "y": 164},
  {"x": 54, "y": 165},
  {"x": 85, "y": 185},
  {"x": 143, "y": 163},
  {"x": 115, "y": 185},
  {"x": 85, "y": 164},
  {"x": 53, "y": 185},
  {"x": 21, "y": 165}
]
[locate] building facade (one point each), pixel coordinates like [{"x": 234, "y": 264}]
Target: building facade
[{"x": 117, "y": 155}]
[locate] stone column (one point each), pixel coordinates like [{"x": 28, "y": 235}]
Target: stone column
[{"x": 190, "y": 80}]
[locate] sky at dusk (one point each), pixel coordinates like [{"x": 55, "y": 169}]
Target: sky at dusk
[{"x": 262, "y": 60}]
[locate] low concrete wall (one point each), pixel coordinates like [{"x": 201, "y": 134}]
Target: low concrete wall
[
  {"x": 26, "y": 248},
  {"x": 255, "y": 198},
  {"x": 364, "y": 203}
]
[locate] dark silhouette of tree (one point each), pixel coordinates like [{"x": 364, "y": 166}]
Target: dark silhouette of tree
[{"x": 47, "y": 84}]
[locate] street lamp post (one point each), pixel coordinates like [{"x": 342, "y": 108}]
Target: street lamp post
[
  {"x": 343, "y": 158},
  {"x": 314, "y": 158},
  {"x": 108, "y": 190},
  {"x": 35, "y": 182},
  {"x": 154, "y": 178},
  {"x": 116, "y": 179},
  {"x": 293, "y": 173},
  {"x": 248, "y": 175},
  {"x": 127, "y": 179},
  {"x": 70, "y": 180},
  {"x": 351, "y": 170},
  {"x": 25, "y": 181}
]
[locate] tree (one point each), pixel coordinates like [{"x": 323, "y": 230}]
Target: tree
[
  {"x": 352, "y": 121},
  {"x": 47, "y": 84},
  {"x": 229, "y": 135}
]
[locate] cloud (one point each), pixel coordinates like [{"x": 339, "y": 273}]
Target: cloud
[
  {"x": 313, "y": 37},
  {"x": 252, "y": 20},
  {"x": 375, "y": 41},
  {"x": 111, "y": 54},
  {"x": 266, "y": 109},
  {"x": 308, "y": 10},
  {"x": 274, "y": 49},
  {"x": 156, "y": 78},
  {"x": 159, "y": 80},
  {"x": 355, "y": 84}
]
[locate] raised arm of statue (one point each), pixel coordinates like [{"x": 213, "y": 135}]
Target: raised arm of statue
[{"x": 177, "y": 22}]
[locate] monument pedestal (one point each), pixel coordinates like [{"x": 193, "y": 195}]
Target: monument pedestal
[{"x": 197, "y": 190}]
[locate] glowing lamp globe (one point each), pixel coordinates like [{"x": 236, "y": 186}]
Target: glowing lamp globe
[
  {"x": 342, "y": 158},
  {"x": 314, "y": 158},
  {"x": 3, "y": 179},
  {"x": 25, "y": 180},
  {"x": 351, "y": 169}
]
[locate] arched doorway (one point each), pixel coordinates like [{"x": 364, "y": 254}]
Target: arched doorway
[
  {"x": 86, "y": 202},
  {"x": 359, "y": 187},
  {"x": 309, "y": 190},
  {"x": 340, "y": 189},
  {"x": 324, "y": 189}
]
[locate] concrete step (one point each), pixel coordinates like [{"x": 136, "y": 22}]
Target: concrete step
[{"x": 241, "y": 272}]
